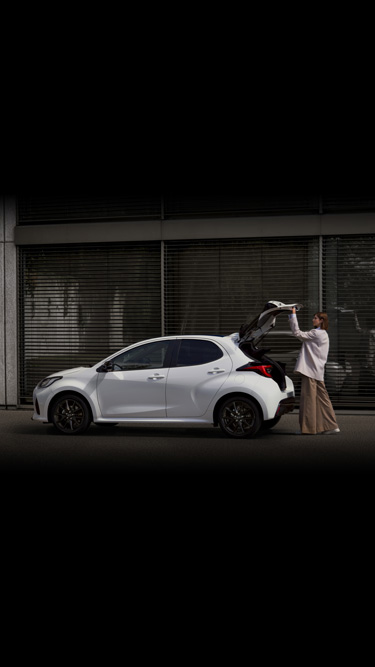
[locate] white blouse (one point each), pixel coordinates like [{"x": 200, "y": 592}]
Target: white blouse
[{"x": 314, "y": 351}]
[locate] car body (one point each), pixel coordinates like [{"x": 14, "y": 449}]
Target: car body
[{"x": 181, "y": 380}]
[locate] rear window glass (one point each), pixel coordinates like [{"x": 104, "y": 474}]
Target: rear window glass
[{"x": 197, "y": 352}]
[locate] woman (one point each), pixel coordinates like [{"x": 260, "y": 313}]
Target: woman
[{"x": 316, "y": 413}]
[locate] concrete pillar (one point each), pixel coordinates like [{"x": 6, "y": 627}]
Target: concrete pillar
[
  {"x": 8, "y": 305},
  {"x": 2, "y": 310}
]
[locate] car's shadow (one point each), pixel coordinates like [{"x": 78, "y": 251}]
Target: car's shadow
[{"x": 122, "y": 431}]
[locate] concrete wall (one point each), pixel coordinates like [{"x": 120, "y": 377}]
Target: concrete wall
[{"x": 8, "y": 304}]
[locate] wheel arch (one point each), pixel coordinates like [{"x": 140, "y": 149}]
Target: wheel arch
[
  {"x": 232, "y": 394},
  {"x": 67, "y": 392}
]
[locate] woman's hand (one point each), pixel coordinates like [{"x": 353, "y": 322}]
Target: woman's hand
[{"x": 293, "y": 311}]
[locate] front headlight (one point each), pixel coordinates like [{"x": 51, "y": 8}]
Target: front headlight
[{"x": 48, "y": 381}]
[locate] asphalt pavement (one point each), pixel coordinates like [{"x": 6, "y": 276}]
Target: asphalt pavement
[{"x": 29, "y": 447}]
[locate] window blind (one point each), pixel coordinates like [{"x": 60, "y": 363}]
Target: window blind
[
  {"x": 349, "y": 299},
  {"x": 212, "y": 287},
  {"x": 79, "y": 304}
]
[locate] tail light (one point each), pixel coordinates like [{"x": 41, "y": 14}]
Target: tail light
[{"x": 261, "y": 369}]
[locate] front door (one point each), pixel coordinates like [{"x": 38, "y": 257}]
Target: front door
[{"x": 136, "y": 385}]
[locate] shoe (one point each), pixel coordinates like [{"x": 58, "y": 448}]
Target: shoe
[{"x": 335, "y": 430}]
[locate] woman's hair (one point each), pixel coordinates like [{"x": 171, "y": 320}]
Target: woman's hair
[{"x": 324, "y": 323}]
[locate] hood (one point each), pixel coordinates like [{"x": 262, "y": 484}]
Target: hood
[
  {"x": 264, "y": 322},
  {"x": 69, "y": 370}
]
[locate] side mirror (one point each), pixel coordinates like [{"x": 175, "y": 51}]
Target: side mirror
[{"x": 105, "y": 368}]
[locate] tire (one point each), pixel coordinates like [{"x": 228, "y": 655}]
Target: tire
[
  {"x": 239, "y": 417},
  {"x": 70, "y": 415}
]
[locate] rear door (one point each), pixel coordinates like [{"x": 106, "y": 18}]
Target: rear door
[{"x": 200, "y": 369}]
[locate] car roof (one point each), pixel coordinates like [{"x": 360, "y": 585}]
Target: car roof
[{"x": 227, "y": 341}]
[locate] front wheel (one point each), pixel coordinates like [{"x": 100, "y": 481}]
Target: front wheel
[
  {"x": 239, "y": 417},
  {"x": 70, "y": 415}
]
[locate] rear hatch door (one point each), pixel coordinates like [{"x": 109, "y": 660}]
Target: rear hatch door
[{"x": 254, "y": 331}]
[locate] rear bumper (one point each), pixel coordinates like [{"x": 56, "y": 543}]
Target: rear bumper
[{"x": 286, "y": 405}]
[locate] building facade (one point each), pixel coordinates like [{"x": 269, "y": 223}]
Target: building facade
[{"x": 82, "y": 277}]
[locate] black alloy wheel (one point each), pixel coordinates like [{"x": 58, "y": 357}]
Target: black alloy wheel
[
  {"x": 239, "y": 417},
  {"x": 70, "y": 415}
]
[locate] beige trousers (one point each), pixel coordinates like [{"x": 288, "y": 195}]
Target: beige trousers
[{"x": 315, "y": 411}]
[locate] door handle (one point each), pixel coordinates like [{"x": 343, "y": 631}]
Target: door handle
[
  {"x": 156, "y": 377},
  {"x": 215, "y": 371}
]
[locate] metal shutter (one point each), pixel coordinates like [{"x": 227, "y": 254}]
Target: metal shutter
[
  {"x": 78, "y": 208},
  {"x": 212, "y": 287},
  {"x": 349, "y": 299},
  {"x": 34, "y": 209},
  {"x": 80, "y": 303},
  {"x": 347, "y": 203},
  {"x": 176, "y": 206}
]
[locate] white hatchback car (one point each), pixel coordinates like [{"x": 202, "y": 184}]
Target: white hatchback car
[{"x": 197, "y": 380}]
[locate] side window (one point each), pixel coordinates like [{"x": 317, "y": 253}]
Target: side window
[
  {"x": 196, "y": 352},
  {"x": 150, "y": 355}
]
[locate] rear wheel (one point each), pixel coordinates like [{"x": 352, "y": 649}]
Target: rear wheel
[
  {"x": 239, "y": 417},
  {"x": 70, "y": 415}
]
